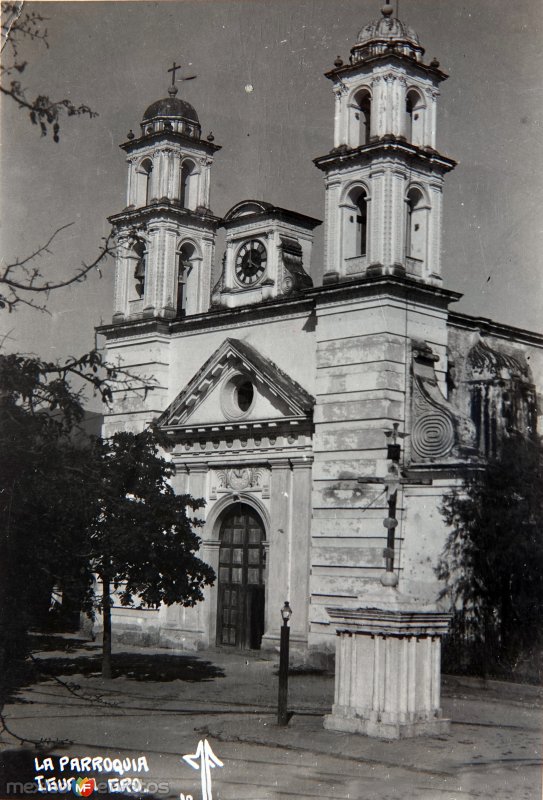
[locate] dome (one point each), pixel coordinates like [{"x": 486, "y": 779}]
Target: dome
[
  {"x": 382, "y": 34},
  {"x": 171, "y": 114},
  {"x": 171, "y": 107}
]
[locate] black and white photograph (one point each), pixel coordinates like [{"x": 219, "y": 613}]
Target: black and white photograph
[{"x": 271, "y": 399}]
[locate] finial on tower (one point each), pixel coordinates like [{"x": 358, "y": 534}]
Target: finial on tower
[
  {"x": 387, "y": 10},
  {"x": 172, "y": 90}
]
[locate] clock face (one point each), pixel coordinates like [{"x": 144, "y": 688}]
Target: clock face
[{"x": 251, "y": 262}]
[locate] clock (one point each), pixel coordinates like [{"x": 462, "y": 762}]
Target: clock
[{"x": 251, "y": 262}]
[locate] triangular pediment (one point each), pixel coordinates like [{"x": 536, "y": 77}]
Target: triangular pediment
[{"x": 237, "y": 384}]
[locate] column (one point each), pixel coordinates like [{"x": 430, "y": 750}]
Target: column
[
  {"x": 120, "y": 302},
  {"x": 337, "y": 117},
  {"x": 168, "y": 272},
  {"x": 300, "y": 548},
  {"x": 154, "y": 177},
  {"x": 176, "y": 175},
  {"x": 278, "y": 587},
  {"x": 434, "y": 233}
]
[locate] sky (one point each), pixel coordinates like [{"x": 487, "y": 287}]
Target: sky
[{"x": 114, "y": 57}]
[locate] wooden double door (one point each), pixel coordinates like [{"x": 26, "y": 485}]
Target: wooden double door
[{"x": 240, "y": 612}]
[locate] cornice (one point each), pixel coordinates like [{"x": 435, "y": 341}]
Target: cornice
[
  {"x": 166, "y": 209},
  {"x": 489, "y": 326},
  {"x": 396, "y": 285},
  {"x": 385, "y": 146},
  {"x": 299, "y": 424},
  {"x": 303, "y": 304},
  {"x": 373, "y": 61},
  {"x": 168, "y": 136},
  {"x": 217, "y": 319},
  {"x": 274, "y": 213}
]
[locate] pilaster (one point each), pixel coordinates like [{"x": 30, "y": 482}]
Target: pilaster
[
  {"x": 300, "y": 535},
  {"x": 279, "y": 566}
]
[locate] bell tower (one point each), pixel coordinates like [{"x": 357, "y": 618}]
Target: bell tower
[
  {"x": 165, "y": 236},
  {"x": 384, "y": 176}
]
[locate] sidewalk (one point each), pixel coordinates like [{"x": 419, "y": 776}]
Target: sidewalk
[{"x": 229, "y": 698}]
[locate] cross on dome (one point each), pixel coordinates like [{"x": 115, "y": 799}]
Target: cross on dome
[
  {"x": 173, "y": 70},
  {"x": 172, "y": 90}
]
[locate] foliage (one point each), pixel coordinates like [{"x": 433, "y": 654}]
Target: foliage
[
  {"x": 46, "y": 470},
  {"x": 142, "y": 538},
  {"x": 19, "y": 26},
  {"x": 22, "y": 281},
  {"x": 492, "y": 562},
  {"x": 141, "y": 541},
  {"x": 73, "y": 506}
]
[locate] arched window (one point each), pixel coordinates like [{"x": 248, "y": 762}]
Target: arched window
[
  {"x": 362, "y": 224},
  {"x": 416, "y": 230},
  {"x": 355, "y": 229},
  {"x": 185, "y": 256},
  {"x": 186, "y": 192},
  {"x": 143, "y": 173},
  {"x": 140, "y": 270},
  {"x": 360, "y": 119},
  {"x": 414, "y": 118},
  {"x": 364, "y": 104}
]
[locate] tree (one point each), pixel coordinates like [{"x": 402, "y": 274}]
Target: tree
[
  {"x": 44, "y": 489},
  {"x": 56, "y": 495},
  {"x": 22, "y": 281},
  {"x": 20, "y": 26},
  {"x": 492, "y": 562},
  {"x": 141, "y": 541}
]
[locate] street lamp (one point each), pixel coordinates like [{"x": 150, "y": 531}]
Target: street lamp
[{"x": 282, "y": 713}]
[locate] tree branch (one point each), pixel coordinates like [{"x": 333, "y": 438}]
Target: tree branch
[
  {"x": 19, "y": 282},
  {"x": 43, "y": 111}
]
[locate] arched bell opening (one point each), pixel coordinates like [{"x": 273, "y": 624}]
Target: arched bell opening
[
  {"x": 355, "y": 210},
  {"x": 188, "y": 190},
  {"x": 416, "y": 232},
  {"x": 360, "y": 118},
  {"x": 138, "y": 260},
  {"x": 241, "y": 578},
  {"x": 414, "y": 117},
  {"x": 188, "y": 258},
  {"x": 143, "y": 182}
]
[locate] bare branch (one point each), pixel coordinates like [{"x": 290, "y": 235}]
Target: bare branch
[
  {"x": 20, "y": 281},
  {"x": 43, "y": 112}
]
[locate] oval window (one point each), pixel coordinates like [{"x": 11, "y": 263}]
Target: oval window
[{"x": 244, "y": 395}]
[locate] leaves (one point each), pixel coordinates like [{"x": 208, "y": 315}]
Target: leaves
[
  {"x": 17, "y": 28},
  {"x": 492, "y": 563},
  {"x": 143, "y": 539}
]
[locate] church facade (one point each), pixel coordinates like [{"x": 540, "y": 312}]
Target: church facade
[{"x": 286, "y": 403}]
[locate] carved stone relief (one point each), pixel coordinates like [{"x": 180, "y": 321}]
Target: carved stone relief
[
  {"x": 438, "y": 431},
  {"x": 240, "y": 478}
]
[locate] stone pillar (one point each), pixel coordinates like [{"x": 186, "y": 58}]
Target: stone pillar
[
  {"x": 278, "y": 571},
  {"x": 122, "y": 267},
  {"x": 197, "y": 482},
  {"x": 337, "y": 117},
  {"x": 299, "y": 550},
  {"x": 388, "y": 668}
]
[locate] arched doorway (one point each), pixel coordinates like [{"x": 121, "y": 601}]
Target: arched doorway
[{"x": 240, "y": 609}]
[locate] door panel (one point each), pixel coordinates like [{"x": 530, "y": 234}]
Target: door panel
[{"x": 240, "y": 613}]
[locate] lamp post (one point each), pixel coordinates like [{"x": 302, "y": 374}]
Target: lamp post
[{"x": 282, "y": 713}]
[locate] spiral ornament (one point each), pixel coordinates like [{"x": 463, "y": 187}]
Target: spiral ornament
[{"x": 432, "y": 436}]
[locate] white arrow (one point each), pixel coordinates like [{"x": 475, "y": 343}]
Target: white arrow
[{"x": 205, "y": 760}]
